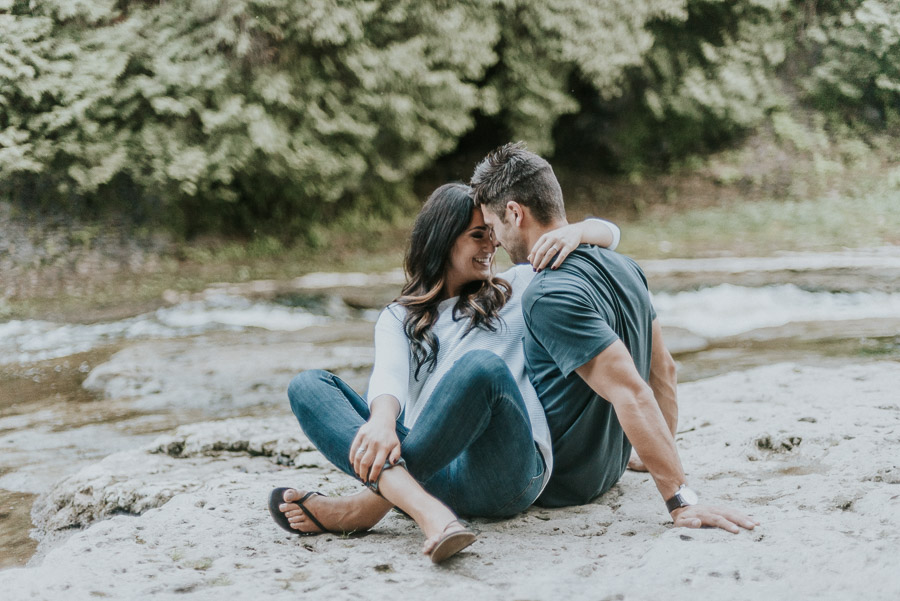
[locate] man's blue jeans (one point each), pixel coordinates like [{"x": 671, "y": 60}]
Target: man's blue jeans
[{"x": 471, "y": 447}]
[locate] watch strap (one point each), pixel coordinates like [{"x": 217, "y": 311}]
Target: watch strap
[{"x": 677, "y": 500}]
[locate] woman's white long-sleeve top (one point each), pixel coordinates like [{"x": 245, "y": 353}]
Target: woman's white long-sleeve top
[{"x": 394, "y": 371}]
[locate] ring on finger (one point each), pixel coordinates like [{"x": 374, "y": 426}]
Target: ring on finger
[{"x": 361, "y": 451}]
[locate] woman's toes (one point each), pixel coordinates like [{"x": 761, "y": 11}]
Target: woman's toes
[{"x": 428, "y": 547}]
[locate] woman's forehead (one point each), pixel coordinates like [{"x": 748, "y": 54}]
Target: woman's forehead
[{"x": 477, "y": 218}]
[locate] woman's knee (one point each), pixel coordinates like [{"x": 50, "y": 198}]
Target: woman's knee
[
  {"x": 305, "y": 389},
  {"x": 482, "y": 364}
]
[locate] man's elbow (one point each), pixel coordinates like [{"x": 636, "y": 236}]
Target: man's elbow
[
  {"x": 671, "y": 368},
  {"x": 665, "y": 368}
]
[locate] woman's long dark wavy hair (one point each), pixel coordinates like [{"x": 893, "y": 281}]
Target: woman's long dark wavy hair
[{"x": 444, "y": 217}]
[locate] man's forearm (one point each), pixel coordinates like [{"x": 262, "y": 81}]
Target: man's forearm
[
  {"x": 668, "y": 404},
  {"x": 647, "y": 430},
  {"x": 664, "y": 379},
  {"x": 613, "y": 376}
]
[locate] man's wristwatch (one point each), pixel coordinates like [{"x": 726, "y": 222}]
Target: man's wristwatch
[{"x": 683, "y": 497}]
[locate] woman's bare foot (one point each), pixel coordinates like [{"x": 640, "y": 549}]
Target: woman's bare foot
[{"x": 354, "y": 513}]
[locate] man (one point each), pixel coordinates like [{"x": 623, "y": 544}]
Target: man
[{"x": 593, "y": 348}]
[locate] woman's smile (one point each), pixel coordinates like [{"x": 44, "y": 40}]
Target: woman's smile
[{"x": 472, "y": 255}]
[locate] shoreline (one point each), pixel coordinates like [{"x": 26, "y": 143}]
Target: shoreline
[{"x": 810, "y": 451}]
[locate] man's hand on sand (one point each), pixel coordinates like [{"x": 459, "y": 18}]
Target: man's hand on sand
[{"x": 699, "y": 516}]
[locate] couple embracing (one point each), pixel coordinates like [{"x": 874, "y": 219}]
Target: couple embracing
[{"x": 491, "y": 393}]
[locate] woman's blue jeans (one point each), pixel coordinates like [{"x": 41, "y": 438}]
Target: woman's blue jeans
[{"x": 471, "y": 447}]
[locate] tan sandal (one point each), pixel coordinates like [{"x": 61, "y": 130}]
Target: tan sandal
[{"x": 453, "y": 542}]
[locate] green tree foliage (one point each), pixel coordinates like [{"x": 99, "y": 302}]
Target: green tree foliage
[
  {"x": 855, "y": 54},
  {"x": 544, "y": 45},
  {"x": 249, "y": 109},
  {"x": 708, "y": 74},
  {"x": 237, "y": 112}
]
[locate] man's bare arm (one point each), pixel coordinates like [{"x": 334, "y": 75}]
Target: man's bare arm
[
  {"x": 613, "y": 376},
  {"x": 664, "y": 378},
  {"x": 664, "y": 383}
]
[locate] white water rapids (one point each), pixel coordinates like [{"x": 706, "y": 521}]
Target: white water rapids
[
  {"x": 714, "y": 312},
  {"x": 33, "y": 340},
  {"x": 727, "y": 310}
]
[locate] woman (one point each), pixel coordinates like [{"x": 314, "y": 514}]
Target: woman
[{"x": 448, "y": 401}]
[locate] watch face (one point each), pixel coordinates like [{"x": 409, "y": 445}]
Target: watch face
[{"x": 688, "y": 496}]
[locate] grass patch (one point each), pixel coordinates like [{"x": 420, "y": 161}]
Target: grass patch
[{"x": 764, "y": 227}]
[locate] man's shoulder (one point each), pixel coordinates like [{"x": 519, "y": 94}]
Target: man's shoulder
[
  {"x": 553, "y": 284},
  {"x": 589, "y": 252},
  {"x": 620, "y": 267},
  {"x": 586, "y": 268}
]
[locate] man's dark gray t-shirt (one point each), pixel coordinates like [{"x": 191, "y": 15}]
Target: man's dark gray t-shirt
[{"x": 572, "y": 314}]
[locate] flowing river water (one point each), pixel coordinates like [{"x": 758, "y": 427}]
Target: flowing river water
[{"x": 72, "y": 393}]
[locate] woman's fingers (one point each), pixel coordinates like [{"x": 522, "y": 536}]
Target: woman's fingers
[
  {"x": 370, "y": 450},
  {"x": 544, "y": 250},
  {"x": 377, "y": 466},
  {"x": 354, "y": 447},
  {"x": 357, "y": 452},
  {"x": 564, "y": 251},
  {"x": 363, "y": 462},
  {"x": 547, "y": 247}
]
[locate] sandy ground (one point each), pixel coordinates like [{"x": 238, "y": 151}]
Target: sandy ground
[{"x": 811, "y": 451}]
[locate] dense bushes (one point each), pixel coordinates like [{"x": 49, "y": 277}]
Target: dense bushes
[
  {"x": 242, "y": 108},
  {"x": 238, "y": 113},
  {"x": 854, "y": 49}
]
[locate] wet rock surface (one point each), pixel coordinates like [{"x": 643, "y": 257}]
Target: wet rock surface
[
  {"x": 213, "y": 372},
  {"x": 133, "y": 482}
]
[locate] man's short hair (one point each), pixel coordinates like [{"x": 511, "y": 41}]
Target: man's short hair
[{"x": 513, "y": 173}]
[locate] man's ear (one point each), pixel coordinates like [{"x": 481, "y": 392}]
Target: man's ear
[{"x": 517, "y": 211}]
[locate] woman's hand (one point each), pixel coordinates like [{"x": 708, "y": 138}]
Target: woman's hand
[
  {"x": 559, "y": 243},
  {"x": 375, "y": 443}
]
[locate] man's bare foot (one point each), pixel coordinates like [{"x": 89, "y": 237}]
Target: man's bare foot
[
  {"x": 354, "y": 513},
  {"x": 635, "y": 464}
]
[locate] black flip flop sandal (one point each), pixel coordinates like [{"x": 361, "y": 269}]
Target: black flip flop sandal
[{"x": 276, "y": 498}]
